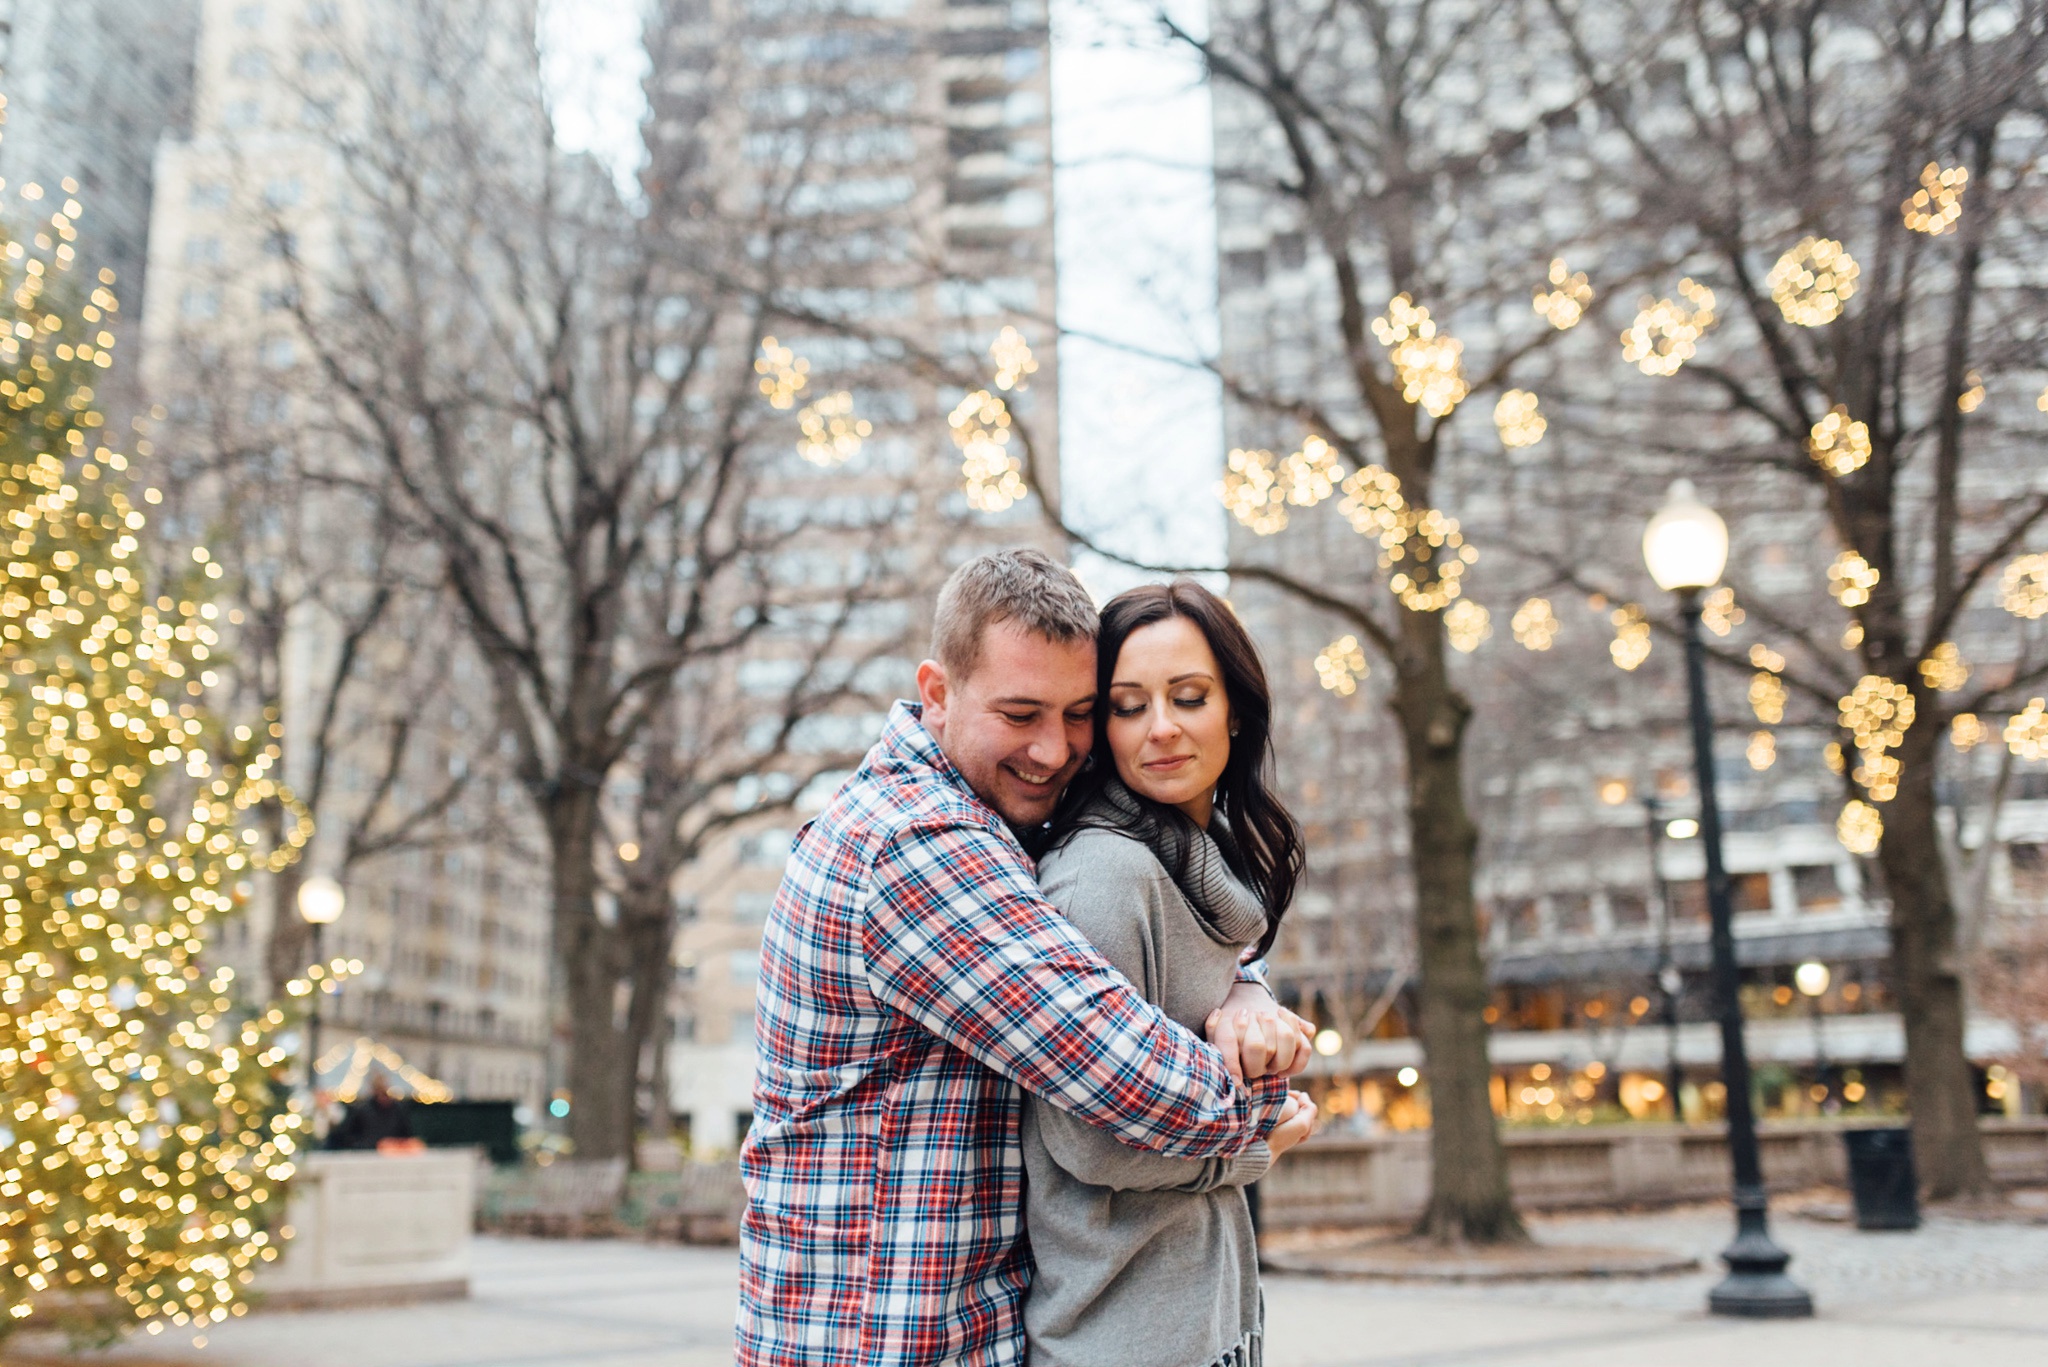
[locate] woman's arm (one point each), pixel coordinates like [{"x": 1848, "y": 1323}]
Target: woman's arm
[{"x": 1115, "y": 895}]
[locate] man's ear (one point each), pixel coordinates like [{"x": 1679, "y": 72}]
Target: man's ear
[{"x": 931, "y": 692}]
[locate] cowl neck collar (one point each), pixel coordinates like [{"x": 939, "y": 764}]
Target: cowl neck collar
[{"x": 1199, "y": 861}]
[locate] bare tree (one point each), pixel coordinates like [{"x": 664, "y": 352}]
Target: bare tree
[
  {"x": 579, "y": 406},
  {"x": 1859, "y": 187},
  {"x": 1376, "y": 141}
]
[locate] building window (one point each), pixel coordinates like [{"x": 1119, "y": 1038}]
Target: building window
[
  {"x": 277, "y": 300},
  {"x": 1628, "y": 909},
  {"x": 1688, "y": 901},
  {"x": 242, "y": 114},
  {"x": 200, "y": 303},
  {"x": 250, "y": 64},
  {"x": 1290, "y": 251},
  {"x": 283, "y": 192},
  {"x": 1750, "y": 892},
  {"x": 1814, "y": 887},
  {"x": 2029, "y": 863},
  {"x": 1244, "y": 270},
  {"x": 249, "y": 16},
  {"x": 1574, "y": 911},
  {"x": 278, "y": 353},
  {"x": 202, "y": 251},
  {"x": 1525, "y": 919},
  {"x": 209, "y": 194},
  {"x": 319, "y": 61}
]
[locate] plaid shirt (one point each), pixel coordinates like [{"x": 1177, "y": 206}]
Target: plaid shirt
[{"x": 912, "y": 980}]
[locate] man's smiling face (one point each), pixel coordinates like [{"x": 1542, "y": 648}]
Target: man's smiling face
[{"x": 1018, "y": 726}]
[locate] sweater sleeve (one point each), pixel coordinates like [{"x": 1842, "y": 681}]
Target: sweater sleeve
[{"x": 1118, "y": 910}]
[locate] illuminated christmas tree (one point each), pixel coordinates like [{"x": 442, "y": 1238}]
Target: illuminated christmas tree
[{"x": 143, "y": 1150}]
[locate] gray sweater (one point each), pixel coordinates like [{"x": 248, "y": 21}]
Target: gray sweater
[{"x": 1142, "y": 1260}]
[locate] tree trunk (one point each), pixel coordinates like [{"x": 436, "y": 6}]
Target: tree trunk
[
  {"x": 601, "y": 1065},
  {"x": 1947, "y": 1149},
  {"x": 288, "y": 947},
  {"x": 1469, "y": 1198}
]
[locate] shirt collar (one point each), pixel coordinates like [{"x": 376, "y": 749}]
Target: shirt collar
[{"x": 906, "y": 741}]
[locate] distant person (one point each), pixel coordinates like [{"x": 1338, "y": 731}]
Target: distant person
[
  {"x": 372, "y": 1118},
  {"x": 916, "y": 985}
]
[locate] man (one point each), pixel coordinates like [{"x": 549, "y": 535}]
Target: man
[{"x": 913, "y": 980}]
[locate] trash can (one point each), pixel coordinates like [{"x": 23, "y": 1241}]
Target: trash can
[{"x": 1881, "y": 1178}]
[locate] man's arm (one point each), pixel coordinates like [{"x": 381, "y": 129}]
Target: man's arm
[{"x": 958, "y": 938}]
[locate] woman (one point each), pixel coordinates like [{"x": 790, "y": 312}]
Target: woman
[{"x": 1173, "y": 856}]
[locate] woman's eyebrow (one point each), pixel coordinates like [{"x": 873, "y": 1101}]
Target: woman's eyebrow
[{"x": 1178, "y": 678}]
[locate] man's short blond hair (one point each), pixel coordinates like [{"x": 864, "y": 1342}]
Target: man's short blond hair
[{"x": 1022, "y": 585}]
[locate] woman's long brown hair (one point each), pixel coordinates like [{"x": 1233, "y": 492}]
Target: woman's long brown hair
[{"x": 1265, "y": 839}]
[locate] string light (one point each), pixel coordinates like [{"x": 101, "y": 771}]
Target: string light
[
  {"x": 1851, "y": 578},
  {"x": 1518, "y": 419},
  {"x": 1666, "y": 332},
  {"x": 1564, "y": 303},
  {"x": 1767, "y": 697},
  {"x": 1631, "y": 643},
  {"x": 1859, "y": 828},
  {"x": 1372, "y": 501},
  {"x": 1966, "y": 732},
  {"x": 1810, "y": 283},
  {"x": 1436, "y": 553},
  {"x": 1972, "y": 397},
  {"x": 783, "y": 373},
  {"x": 1534, "y": 624},
  {"x": 1718, "y": 612},
  {"x": 1341, "y": 665},
  {"x": 1763, "y": 657},
  {"x": 1251, "y": 490},
  {"x": 1838, "y": 443},
  {"x": 2023, "y": 588},
  {"x": 1944, "y": 670},
  {"x": 2041, "y": 401},
  {"x": 1762, "y": 751},
  {"x": 1877, "y": 712},
  {"x": 2026, "y": 733},
  {"x": 1831, "y": 756},
  {"x": 1852, "y": 635},
  {"x": 831, "y": 434},
  {"x": 1310, "y": 475},
  {"x": 1934, "y": 207},
  {"x": 1431, "y": 367},
  {"x": 142, "y": 1157},
  {"x": 991, "y": 477},
  {"x": 1468, "y": 624},
  {"x": 1013, "y": 361}
]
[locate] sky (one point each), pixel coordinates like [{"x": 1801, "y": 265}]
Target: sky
[{"x": 1134, "y": 234}]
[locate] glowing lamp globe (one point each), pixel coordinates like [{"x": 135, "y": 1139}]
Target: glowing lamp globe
[
  {"x": 321, "y": 900},
  {"x": 1811, "y": 978},
  {"x": 1686, "y": 543}
]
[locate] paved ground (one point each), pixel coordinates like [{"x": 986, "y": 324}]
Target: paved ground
[{"x": 1954, "y": 1292}]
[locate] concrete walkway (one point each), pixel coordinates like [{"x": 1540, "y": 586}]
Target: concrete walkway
[{"x": 1953, "y": 1293}]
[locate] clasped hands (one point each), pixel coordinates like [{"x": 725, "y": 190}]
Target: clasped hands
[{"x": 1260, "y": 1038}]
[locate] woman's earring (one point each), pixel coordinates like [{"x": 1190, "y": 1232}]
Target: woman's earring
[{"x": 1233, "y": 728}]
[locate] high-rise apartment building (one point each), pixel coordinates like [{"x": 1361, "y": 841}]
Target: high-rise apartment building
[
  {"x": 91, "y": 87},
  {"x": 453, "y": 933},
  {"x": 917, "y": 148},
  {"x": 1592, "y": 898}
]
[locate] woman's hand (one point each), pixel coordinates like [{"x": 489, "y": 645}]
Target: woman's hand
[
  {"x": 1297, "y": 1122},
  {"x": 1266, "y": 1041}
]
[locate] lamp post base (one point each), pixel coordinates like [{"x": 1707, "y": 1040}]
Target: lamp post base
[{"x": 1756, "y": 1286}]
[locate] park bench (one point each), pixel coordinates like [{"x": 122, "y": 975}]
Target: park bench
[
  {"x": 699, "y": 1204},
  {"x": 568, "y": 1198}
]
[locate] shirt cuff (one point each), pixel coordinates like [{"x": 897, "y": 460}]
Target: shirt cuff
[{"x": 1269, "y": 1098}]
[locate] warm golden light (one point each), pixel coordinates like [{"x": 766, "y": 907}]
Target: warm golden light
[
  {"x": 1534, "y": 624},
  {"x": 1762, "y": 750},
  {"x": 1838, "y": 443},
  {"x": 1631, "y": 643},
  {"x": 831, "y": 434},
  {"x": 1851, "y": 578},
  {"x": 1966, "y": 731},
  {"x": 1310, "y": 475},
  {"x": 1011, "y": 356},
  {"x": 1666, "y": 333},
  {"x": 1719, "y": 613},
  {"x": 1811, "y": 282},
  {"x": 991, "y": 477},
  {"x": 1564, "y": 303},
  {"x": 1934, "y": 207},
  {"x": 783, "y": 373},
  {"x": 2026, "y": 734},
  {"x": 1944, "y": 670},
  {"x": 1431, "y": 367},
  {"x": 1251, "y": 489},
  {"x": 1859, "y": 828},
  {"x": 1518, "y": 419},
  {"x": 1767, "y": 697},
  {"x": 1341, "y": 666},
  {"x": 1468, "y": 624},
  {"x": 2023, "y": 588}
]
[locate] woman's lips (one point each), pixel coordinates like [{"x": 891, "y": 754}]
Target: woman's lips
[{"x": 1166, "y": 766}]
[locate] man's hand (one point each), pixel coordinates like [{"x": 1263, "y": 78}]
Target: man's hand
[
  {"x": 1258, "y": 1037},
  {"x": 1297, "y": 1122}
]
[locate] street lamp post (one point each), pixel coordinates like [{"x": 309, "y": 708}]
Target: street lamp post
[
  {"x": 320, "y": 902},
  {"x": 1812, "y": 980},
  {"x": 1686, "y": 548},
  {"x": 1669, "y": 981}
]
